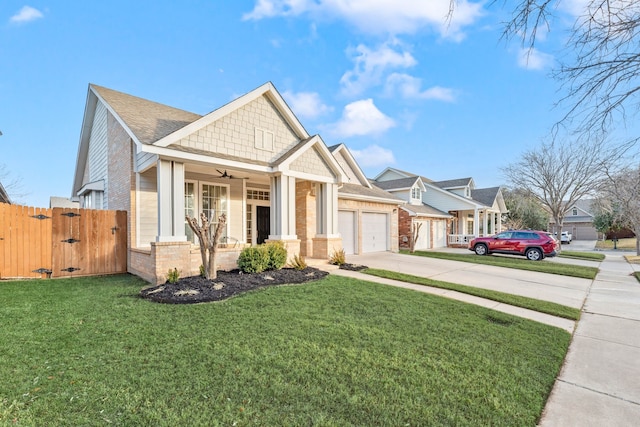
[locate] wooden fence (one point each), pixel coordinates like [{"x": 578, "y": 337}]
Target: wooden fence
[{"x": 61, "y": 242}]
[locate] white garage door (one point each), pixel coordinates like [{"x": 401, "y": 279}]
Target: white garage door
[
  {"x": 347, "y": 229},
  {"x": 424, "y": 240},
  {"x": 440, "y": 234},
  {"x": 375, "y": 232}
]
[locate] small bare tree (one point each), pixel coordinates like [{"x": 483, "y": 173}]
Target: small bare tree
[
  {"x": 415, "y": 234},
  {"x": 208, "y": 241}
]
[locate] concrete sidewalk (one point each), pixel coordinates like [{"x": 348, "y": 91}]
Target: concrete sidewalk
[{"x": 599, "y": 384}]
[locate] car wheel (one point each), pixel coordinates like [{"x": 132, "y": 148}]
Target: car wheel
[
  {"x": 533, "y": 254},
  {"x": 480, "y": 249}
]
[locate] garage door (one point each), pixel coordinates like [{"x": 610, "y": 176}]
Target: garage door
[
  {"x": 375, "y": 232},
  {"x": 585, "y": 233},
  {"x": 347, "y": 229},
  {"x": 423, "y": 235},
  {"x": 440, "y": 234}
]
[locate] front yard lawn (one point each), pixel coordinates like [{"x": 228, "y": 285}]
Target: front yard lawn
[
  {"x": 334, "y": 352},
  {"x": 513, "y": 262}
]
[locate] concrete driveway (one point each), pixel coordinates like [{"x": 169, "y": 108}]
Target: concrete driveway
[{"x": 569, "y": 291}]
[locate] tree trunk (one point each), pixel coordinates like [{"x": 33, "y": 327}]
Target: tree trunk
[
  {"x": 415, "y": 233},
  {"x": 208, "y": 244}
]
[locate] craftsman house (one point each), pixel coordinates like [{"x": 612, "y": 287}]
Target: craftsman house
[
  {"x": 250, "y": 159},
  {"x": 450, "y": 213}
]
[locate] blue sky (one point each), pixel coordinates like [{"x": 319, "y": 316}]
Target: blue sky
[{"x": 391, "y": 79}]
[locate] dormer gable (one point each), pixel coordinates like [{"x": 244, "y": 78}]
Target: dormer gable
[{"x": 349, "y": 165}]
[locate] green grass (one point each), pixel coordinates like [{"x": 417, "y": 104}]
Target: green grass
[
  {"x": 515, "y": 300},
  {"x": 517, "y": 263},
  {"x": 336, "y": 352},
  {"x": 587, "y": 256}
]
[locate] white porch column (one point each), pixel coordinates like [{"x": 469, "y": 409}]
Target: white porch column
[
  {"x": 327, "y": 210},
  {"x": 485, "y": 227},
  {"x": 499, "y": 222},
  {"x": 170, "y": 201},
  {"x": 476, "y": 222},
  {"x": 283, "y": 208}
]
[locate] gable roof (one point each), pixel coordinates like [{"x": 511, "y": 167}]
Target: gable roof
[
  {"x": 351, "y": 162},
  {"x": 154, "y": 128},
  {"x": 425, "y": 210},
  {"x": 357, "y": 191},
  {"x": 402, "y": 173},
  {"x": 398, "y": 184},
  {"x": 147, "y": 121},
  {"x": 486, "y": 196},
  {"x": 453, "y": 183},
  {"x": 4, "y": 197}
]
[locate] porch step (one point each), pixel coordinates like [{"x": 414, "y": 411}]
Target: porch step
[{"x": 322, "y": 264}]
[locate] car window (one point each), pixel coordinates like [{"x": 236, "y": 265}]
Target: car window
[{"x": 504, "y": 235}]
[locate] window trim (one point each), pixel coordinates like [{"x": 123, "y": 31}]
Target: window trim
[{"x": 198, "y": 203}]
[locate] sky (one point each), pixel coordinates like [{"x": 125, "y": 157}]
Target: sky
[{"x": 392, "y": 79}]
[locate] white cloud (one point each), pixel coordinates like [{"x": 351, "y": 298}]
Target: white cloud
[
  {"x": 370, "y": 65},
  {"x": 306, "y": 104},
  {"x": 533, "y": 59},
  {"x": 361, "y": 118},
  {"x": 373, "y": 156},
  {"x": 379, "y": 16},
  {"x": 410, "y": 87},
  {"x": 26, "y": 14}
]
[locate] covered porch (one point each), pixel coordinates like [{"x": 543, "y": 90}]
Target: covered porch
[
  {"x": 261, "y": 204},
  {"x": 469, "y": 224}
]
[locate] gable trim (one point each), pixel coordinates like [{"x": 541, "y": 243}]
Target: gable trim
[
  {"x": 266, "y": 89},
  {"x": 341, "y": 148}
]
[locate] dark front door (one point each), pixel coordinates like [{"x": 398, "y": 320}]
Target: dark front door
[{"x": 262, "y": 224}]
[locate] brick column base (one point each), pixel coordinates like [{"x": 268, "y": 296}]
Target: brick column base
[
  {"x": 324, "y": 247},
  {"x": 166, "y": 256}
]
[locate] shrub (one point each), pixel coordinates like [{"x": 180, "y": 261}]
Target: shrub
[
  {"x": 203, "y": 272},
  {"x": 277, "y": 254},
  {"x": 338, "y": 257},
  {"x": 253, "y": 259},
  {"x": 173, "y": 276},
  {"x": 298, "y": 262}
]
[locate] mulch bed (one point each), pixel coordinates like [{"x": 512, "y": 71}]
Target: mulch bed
[{"x": 196, "y": 289}]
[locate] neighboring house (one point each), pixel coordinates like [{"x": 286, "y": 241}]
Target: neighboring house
[
  {"x": 251, "y": 159},
  {"x": 579, "y": 221},
  {"x": 63, "y": 202},
  {"x": 367, "y": 215},
  {"x": 452, "y": 212},
  {"x": 4, "y": 197}
]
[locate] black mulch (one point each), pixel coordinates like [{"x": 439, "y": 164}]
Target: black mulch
[
  {"x": 195, "y": 289},
  {"x": 352, "y": 267}
]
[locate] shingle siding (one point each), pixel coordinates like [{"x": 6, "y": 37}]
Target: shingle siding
[{"x": 235, "y": 134}]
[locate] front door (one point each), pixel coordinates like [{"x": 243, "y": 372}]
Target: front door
[{"x": 262, "y": 224}]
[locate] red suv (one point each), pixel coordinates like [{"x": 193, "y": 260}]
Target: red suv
[{"x": 535, "y": 245}]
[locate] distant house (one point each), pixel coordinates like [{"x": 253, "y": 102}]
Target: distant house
[
  {"x": 579, "y": 221},
  {"x": 4, "y": 197},
  {"x": 63, "y": 202},
  {"x": 451, "y": 212}
]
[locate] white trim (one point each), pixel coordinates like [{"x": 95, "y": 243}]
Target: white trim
[
  {"x": 352, "y": 163},
  {"x": 346, "y": 196},
  {"x": 170, "y": 154}
]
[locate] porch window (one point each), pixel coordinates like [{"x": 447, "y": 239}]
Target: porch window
[
  {"x": 469, "y": 226},
  {"x": 93, "y": 200},
  {"x": 212, "y": 200}
]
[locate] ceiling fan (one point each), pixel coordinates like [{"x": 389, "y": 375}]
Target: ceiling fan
[{"x": 228, "y": 175}]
